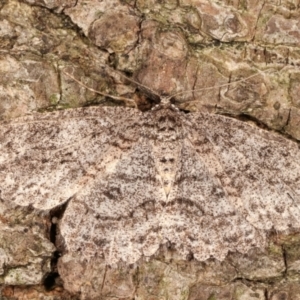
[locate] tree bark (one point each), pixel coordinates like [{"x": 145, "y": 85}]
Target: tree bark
[{"x": 239, "y": 58}]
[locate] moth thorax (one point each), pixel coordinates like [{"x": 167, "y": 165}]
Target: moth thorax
[{"x": 167, "y": 129}]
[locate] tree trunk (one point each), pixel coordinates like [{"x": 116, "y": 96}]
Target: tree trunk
[{"x": 239, "y": 58}]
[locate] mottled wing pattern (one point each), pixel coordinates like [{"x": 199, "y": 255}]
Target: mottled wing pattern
[
  {"x": 260, "y": 170},
  {"x": 236, "y": 181},
  {"x": 203, "y": 219},
  {"x": 47, "y": 158},
  {"x": 205, "y": 183},
  {"x": 117, "y": 215}
]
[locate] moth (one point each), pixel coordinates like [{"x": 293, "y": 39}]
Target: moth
[{"x": 133, "y": 181}]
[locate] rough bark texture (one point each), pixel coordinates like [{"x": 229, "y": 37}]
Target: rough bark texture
[{"x": 169, "y": 46}]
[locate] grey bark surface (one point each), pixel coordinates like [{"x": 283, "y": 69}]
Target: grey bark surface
[{"x": 170, "y": 47}]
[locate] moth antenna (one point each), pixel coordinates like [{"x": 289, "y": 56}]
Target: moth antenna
[
  {"x": 109, "y": 70},
  {"x": 211, "y": 87},
  {"x": 134, "y": 81},
  {"x": 120, "y": 98}
]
